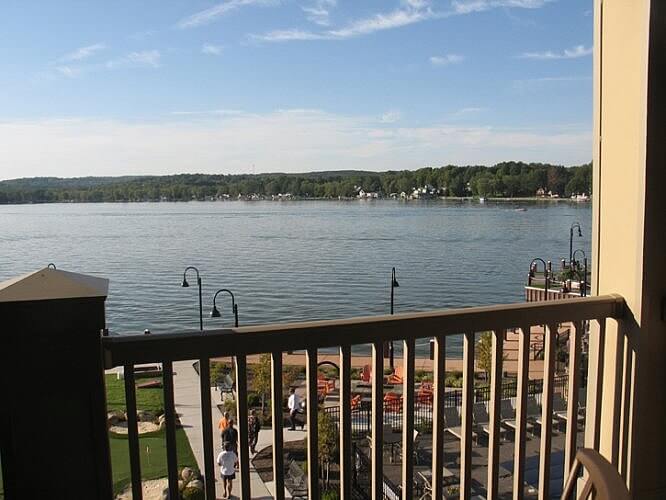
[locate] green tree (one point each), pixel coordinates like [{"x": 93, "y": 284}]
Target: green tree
[
  {"x": 327, "y": 441},
  {"x": 261, "y": 379},
  {"x": 484, "y": 353}
]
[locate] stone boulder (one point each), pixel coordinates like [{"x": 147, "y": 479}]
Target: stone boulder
[
  {"x": 187, "y": 474},
  {"x": 146, "y": 416},
  {"x": 114, "y": 417},
  {"x": 196, "y": 484}
]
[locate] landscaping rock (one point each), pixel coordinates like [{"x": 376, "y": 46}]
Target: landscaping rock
[
  {"x": 187, "y": 474},
  {"x": 196, "y": 484},
  {"x": 115, "y": 416},
  {"x": 146, "y": 416}
]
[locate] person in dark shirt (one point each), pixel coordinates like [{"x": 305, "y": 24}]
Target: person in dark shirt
[
  {"x": 230, "y": 435},
  {"x": 253, "y": 427}
]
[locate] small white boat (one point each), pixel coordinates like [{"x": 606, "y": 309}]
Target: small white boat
[{"x": 482, "y": 199}]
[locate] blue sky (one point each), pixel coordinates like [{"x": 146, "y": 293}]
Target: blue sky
[{"x": 151, "y": 87}]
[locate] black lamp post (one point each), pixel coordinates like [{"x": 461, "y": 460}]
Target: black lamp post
[
  {"x": 185, "y": 284},
  {"x": 215, "y": 313},
  {"x": 394, "y": 284},
  {"x": 583, "y": 283},
  {"x": 575, "y": 225},
  {"x": 575, "y": 262},
  {"x": 545, "y": 272}
]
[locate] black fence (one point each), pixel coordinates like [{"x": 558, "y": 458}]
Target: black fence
[{"x": 362, "y": 416}]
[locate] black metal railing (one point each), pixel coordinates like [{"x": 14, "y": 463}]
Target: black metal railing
[{"x": 423, "y": 409}]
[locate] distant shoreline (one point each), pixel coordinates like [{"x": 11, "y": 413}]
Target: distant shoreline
[{"x": 294, "y": 199}]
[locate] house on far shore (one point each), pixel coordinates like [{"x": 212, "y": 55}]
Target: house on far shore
[{"x": 541, "y": 193}]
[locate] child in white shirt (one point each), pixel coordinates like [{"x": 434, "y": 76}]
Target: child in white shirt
[{"x": 227, "y": 460}]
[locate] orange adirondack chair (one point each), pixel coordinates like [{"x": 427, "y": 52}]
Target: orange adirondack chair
[
  {"x": 397, "y": 376},
  {"x": 366, "y": 374}
]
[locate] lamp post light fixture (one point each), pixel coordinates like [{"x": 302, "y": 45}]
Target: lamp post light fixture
[
  {"x": 583, "y": 282},
  {"x": 215, "y": 313},
  {"x": 51, "y": 266},
  {"x": 575, "y": 262},
  {"x": 185, "y": 284},
  {"x": 394, "y": 284},
  {"x": 533, "y": 269},
  {"x": 575, "y": 225}
]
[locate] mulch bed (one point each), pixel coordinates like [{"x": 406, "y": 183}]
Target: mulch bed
[{"x": 263, "y": 460}]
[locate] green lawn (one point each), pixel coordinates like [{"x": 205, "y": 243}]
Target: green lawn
[
  {"x": 151, "y": 446},
  {"x": 146, "y": 399},
  {"x": 153, "y": 457}
]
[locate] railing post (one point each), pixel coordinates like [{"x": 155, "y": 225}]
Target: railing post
[
  {"x": 408, "y": 419},
  {"x": 346, "y": 459},
  {"x": 547, "y": 412},
  {"x": 278, "y": 427},
  {"x": 241, "y": 409},
  {"x": 521, "y": 412},
  {"x": 572, "y": 398},
  {"x": 495, "y": 399},
  {"x": 377, "y": 439},
  {"x": 132, "y": 432},
  {"x": 313, "y": 434},
  {"x": 438, "y": 416},
  {"x": 466, "y": 416},
  {"x": 51, "y": 323},
  {"x": 170, "y": 422},
  {"x": 207, "y": 428}
]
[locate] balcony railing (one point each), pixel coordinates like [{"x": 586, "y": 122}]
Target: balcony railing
[{"x": 343, "y": 334}]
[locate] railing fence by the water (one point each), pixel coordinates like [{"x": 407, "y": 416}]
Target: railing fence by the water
[
  {"x": 277, "y": 339},
  {"x": 423, "y": 412}
]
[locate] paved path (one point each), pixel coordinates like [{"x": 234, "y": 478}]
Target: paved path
[
  {"x": 188, "y": 407},
  {"x": 186, "y": 392}
]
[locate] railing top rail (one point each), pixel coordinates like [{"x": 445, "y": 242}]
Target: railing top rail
[{"x": 136, "y": 349}]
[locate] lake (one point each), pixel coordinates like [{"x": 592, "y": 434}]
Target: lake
[{"x": 290, "y": 261}]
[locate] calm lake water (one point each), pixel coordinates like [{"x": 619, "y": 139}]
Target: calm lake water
[{"x": 290, "y": 261}]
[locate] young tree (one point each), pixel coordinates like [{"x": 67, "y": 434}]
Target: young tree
[
  {"x": 327, "y": 441},
  {"x": 484, "y": 353},
  {"x": 262, "y": 379}
]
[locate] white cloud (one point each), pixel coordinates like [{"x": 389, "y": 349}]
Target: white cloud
[
  {"x": 411, "y": 12},
  {"x": 68, "y": 71},
  {"x": 211, "y": 49},
  {"x": 466, "y": 112},
  {"x": 319, "y": 12},
  {"x": 288, "y": 35},
  {"x": 469, "y": 6},
  {"x": 209, "y": 15},
  {"x": 287, "y": 140},
  {"x": 82, "y": 53},
  {"x": 149, "y": 58},
  {"x": 573, "y": 53},
  {"x": 391, "y": 116},
  {"x": 446, "y": 60},
  {"x": 208, "y": 112}
]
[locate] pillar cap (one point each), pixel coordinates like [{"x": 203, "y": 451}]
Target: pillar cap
[{"x": 52, "y": 284}]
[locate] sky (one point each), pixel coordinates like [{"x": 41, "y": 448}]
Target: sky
[{"x": 251, "y": 86}]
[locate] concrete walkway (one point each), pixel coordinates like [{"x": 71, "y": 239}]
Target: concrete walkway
[{"x": 188, "y": 407}]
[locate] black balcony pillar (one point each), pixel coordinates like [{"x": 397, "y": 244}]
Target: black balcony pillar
[{"x": 53, "y": 434}]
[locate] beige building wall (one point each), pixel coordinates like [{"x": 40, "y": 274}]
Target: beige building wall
[{"x": 629, "y": 245}]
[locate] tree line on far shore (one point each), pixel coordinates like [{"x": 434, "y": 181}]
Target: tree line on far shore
[{"x": 505, "y": 180}]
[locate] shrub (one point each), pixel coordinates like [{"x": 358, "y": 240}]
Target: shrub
[
  {"x": 193, "y": 494},
  {"x": 330, "y": 495},
  {"x": 253, "y": 399}
]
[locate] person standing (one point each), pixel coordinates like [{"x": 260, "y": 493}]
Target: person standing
[
  {"x": 230, "y": 435},
  {"x": 253, "y": 427},
  {"x": 223, "y": 424},
  {"x": 293, "y": 404},
  {"x": 227, "y": 461}
]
